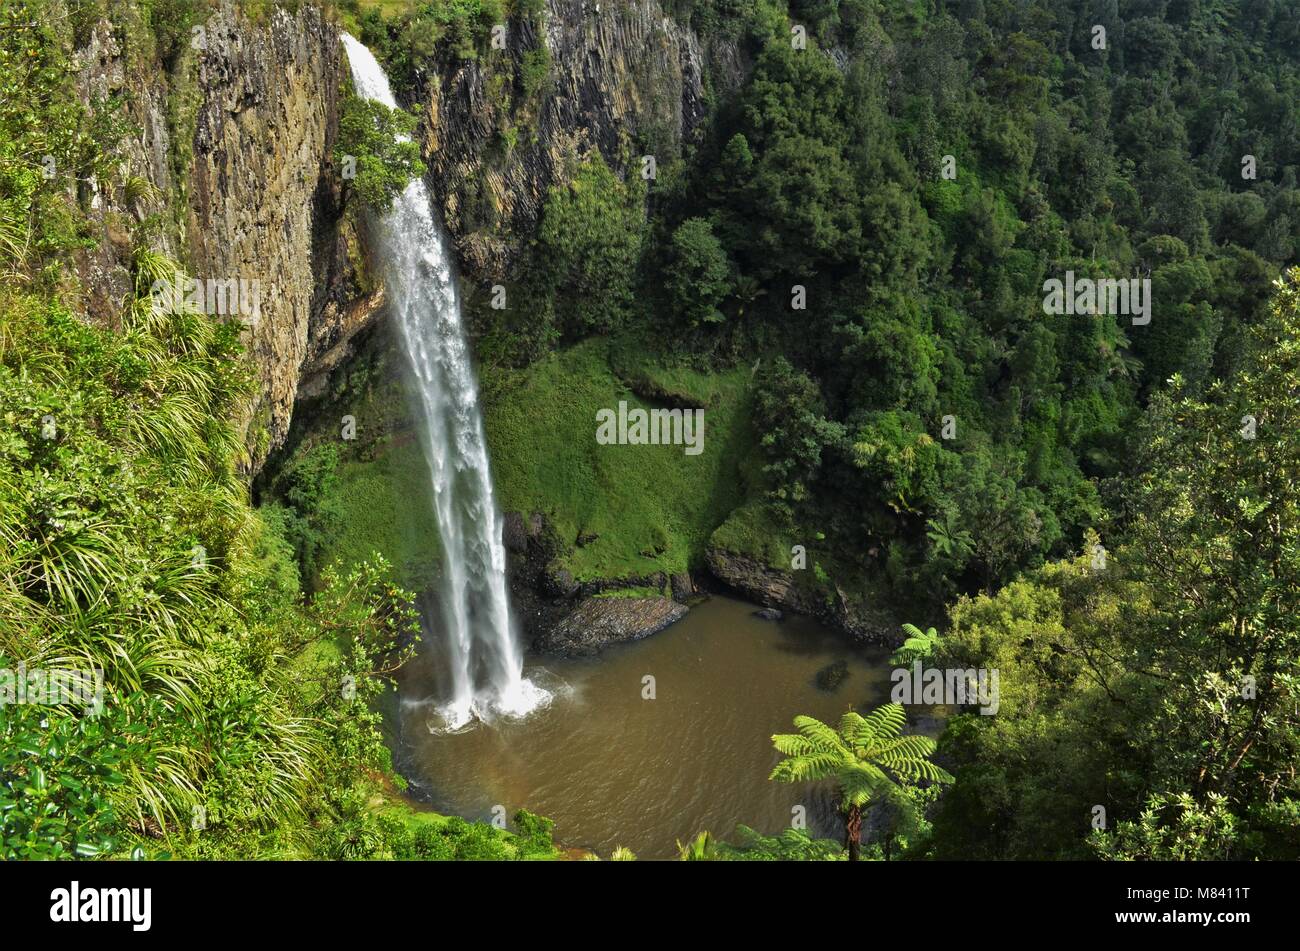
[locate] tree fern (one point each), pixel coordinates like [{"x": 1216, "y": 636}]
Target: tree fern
[
  {"x": 867, "y": 757},
  {"x": 918, "y": 645}
]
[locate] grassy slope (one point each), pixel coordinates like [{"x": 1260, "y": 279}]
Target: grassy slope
[
  {"x": 541, "y": 428},
  {"x": 541, "y": 425},
  {"x": 384, "y": 506},
  {"x": 380, "y": 496}
]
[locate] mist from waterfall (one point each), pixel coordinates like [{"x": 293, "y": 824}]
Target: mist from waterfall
[{"x": 420, "y": 282}]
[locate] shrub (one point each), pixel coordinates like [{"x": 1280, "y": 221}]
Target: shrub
[
  {"x": 374, "y": 144},
  {"x": 590, "y": 242}
]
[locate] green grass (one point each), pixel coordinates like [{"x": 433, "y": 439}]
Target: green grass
[
  {"x": 387, "y": 7},
  {"x": 753, "y": 530},
  {"x": 541, "y": 429},
  {"x": 671, "y": 384},
  {"x": 412, "y": 818},
  {"x": 391, "y": 805},
  {"x": 379, "y": 498},
  {"x": 384, "y": 505}
]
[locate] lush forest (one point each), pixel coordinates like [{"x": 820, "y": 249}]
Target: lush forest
[{"x": 1103, "y": 507}]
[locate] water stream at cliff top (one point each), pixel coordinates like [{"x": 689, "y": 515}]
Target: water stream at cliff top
[{"x": 483, "y": 653}]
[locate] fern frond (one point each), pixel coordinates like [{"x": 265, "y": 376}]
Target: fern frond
[
  {"x": 905, "y": 747},
  {"x": 792, "y": 744},
  {"x": 799, "y": 769},
  {"x": 824, "y": 736},
  {"x": 883, "y": 722}
]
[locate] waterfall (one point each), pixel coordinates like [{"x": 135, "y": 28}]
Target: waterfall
[{"x": 420, "y": 282}]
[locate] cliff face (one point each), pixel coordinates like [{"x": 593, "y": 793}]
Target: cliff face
[
  {"x": 262, "y": 195},
  {"x": 624, "y": 78},
  {"x": 237, "y": 132},
  {"x": 237, "y": 137}
]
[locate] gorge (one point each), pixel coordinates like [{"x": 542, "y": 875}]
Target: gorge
[{"x": 354, "y": 362}]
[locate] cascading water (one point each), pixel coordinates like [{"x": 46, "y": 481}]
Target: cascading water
[{"x": 487, "y": 663}]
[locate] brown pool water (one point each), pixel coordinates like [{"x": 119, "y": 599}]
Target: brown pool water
[{"x": 614, "y": 768}]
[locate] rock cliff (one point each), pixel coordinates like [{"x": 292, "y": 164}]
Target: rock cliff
[
  {"x": 237, "y": 131},
  {"x": 623, "y": 78},
  {"x": 777, "y": 588}
]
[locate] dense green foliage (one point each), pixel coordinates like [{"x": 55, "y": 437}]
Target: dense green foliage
[
  {"x": 792, "y": 845},
  {"x": 46, "y": 142},
  {"x": 921, "y": 377},
  {"x": 924, "y": 292},
  {"x": 375, "y": 150},
  {"x": 129, "y": 548},
  {"x": 55, "y": 780},
  {"x": 237, "y": 717},
  {"x": 845, "y": 267},
  {"x": 924, "y": 423},
  {"x": 590, "y": 241},
  {"x": 1158, "y": 682},
  {"x": 405, "y": 36}
]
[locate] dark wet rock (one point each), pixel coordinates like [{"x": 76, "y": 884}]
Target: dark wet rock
[
  {"x": 769, "y": 614},
  {"x": 559, "y": 582},
  {"x": 800, "y": 593},
  {"x": 514, "y": 535},
  {"x": 658, "y": 581},
  {"x": 757, "y": 581},
  {"x": 683, "y": 587},
  {"x": 597, "y": 622},
  {"x": 586, "y": 538},
  {"x": 832, "y": 675}
]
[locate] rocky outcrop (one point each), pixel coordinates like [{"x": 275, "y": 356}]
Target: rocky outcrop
[
  {"x": 238, "y": 136},
  {"x": 683, "y": 587},
  {"x": 547, "y": 597},
  {"x": 777, "y": 589},
  {"x": 103, "y": 73},
  {"x": 830, "y": 677},
  {"x": 598, "y": 622},
  {"x": 621, "y": 75},
  {"x": 757, "y": 581}
]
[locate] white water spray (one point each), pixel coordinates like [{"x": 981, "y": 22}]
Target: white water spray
[{"x": 487, "y": 663}]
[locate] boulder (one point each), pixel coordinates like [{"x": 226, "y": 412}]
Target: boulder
[
  {"x": 597, "y": 622},
  {"x": 775, "y": 587},
  {"x": 831, "y": 676}
]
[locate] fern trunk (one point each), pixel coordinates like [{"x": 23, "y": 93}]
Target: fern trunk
[{"x": 853, "y": 832}]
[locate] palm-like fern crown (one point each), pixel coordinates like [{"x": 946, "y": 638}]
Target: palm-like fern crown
[
  {"x": 865, "y": 755},
  {"x": 918, "y": 644}
]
